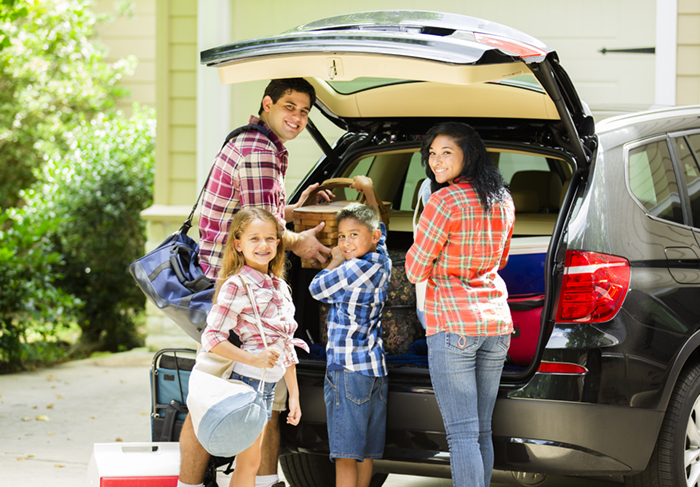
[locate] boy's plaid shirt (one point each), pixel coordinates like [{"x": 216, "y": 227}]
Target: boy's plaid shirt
[
  {"x": 460, "y": 247},
  {"x": 249, "y": 171},
  {"x": 356, "y": 290}
]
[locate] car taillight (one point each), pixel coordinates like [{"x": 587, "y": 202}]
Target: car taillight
[
  {"x": 509, "y": 45},
  {"x": 594, "y": 287},
  {"x": 560, "y": 368}
]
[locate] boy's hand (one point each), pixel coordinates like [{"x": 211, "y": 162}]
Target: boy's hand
[
  {"x": 362, "y": 183},
  {"x": 294, "y": 415},
  {"x": 266, "y": 359},
  {"x": 337, "y": 258}
]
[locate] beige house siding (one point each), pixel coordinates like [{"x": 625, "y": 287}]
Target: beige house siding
[
  {"x": 133, "y": 35},
  {"x": 177, "y": 56},
  {"x": 688, "y": 69}
]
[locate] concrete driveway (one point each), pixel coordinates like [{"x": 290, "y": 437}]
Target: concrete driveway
[{"x": 50, "y": 420}]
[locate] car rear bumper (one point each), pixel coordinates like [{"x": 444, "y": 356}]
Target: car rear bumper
[{"x": 530, "y": 435}]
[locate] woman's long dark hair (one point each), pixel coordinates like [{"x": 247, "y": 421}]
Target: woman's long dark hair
[{"x": 478, "y": 168}]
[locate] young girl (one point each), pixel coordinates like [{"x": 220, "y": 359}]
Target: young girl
[{"x": 254, "y": 252}]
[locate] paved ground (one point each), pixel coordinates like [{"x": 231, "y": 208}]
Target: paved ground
[{"x": 50, "y": 419}]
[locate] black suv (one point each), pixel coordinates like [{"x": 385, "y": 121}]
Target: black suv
[{"x": 603, "y": 375}]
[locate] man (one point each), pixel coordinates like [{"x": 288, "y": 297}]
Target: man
[{"x": 250, "y": 171}]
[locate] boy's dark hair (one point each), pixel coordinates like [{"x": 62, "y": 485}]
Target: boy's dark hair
[
  {"x": 365, "y": 214},
  {"x": 478, "y": 168},
  {"x": 278, "y": 87}
]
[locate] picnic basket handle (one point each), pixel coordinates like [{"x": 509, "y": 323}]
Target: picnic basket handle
[{"x": 340, "y": 183}]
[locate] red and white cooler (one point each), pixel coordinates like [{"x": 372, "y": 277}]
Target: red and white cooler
[{"x": 134, "y": 465}]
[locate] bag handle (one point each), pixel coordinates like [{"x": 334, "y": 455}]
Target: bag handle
[
  {"x": 258, "y": 322},
  {"x": 245, "y": 128}
]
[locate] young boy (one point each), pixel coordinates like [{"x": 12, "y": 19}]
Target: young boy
[{"x": 355, "y": 284}]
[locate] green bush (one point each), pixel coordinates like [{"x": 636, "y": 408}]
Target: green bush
[
  {"x": 64, "y": 256},
  {"x": 52, "y": 77},
  {"x": 96, "y": 192},
  {"x": 74, "y": 175},
  {"x": 29, "y": 294}
]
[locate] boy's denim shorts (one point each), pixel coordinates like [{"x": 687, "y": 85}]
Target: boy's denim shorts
[
  {"x": 356, "y": 412},
  {"x": 268, "y": 390}
]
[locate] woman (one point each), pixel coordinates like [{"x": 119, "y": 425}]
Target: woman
[{"x": 462, "y": 240}]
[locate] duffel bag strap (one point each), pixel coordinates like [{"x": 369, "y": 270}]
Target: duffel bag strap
[{"x": 246, "y": 128}]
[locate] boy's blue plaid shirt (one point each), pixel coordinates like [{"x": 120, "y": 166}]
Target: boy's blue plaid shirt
[{"x": 356, "y": 290}]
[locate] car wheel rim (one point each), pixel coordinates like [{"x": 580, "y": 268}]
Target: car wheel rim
[{"x": 692, "y": 446}]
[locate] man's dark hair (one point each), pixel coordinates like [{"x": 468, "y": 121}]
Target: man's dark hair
[{"x": 279, "y": 87}]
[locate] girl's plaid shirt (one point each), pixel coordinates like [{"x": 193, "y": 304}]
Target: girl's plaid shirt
[
  {"x": 460, "y": 247},
  {"x": 233, "y": 311}
]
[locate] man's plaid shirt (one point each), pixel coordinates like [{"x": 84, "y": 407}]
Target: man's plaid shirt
[
  {"x": 249, "y": 171},
  {"x": 356, "y": 290},
  {"x": 460, "y": 247}
]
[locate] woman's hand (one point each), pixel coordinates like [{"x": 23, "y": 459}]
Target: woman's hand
[
  {"x": 266, "y": 359},
  {"x": 294, "y": 415}
]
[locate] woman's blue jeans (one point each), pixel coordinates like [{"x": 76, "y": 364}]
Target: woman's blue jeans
[{"x": 466, "y": 371}]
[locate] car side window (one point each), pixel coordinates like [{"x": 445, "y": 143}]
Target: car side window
[
  {"x": 510, "y": 162},
  {"x": 691, "y": 176},
  {"x": 414, "y": 177},
  {"x": 652, "y": 181}
]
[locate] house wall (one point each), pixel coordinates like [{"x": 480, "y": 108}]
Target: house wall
[
  {"x": 688, "y": 68},
  {"x": 132, "y": 35}
]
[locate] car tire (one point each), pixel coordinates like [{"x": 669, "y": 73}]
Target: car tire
[
  {"x": 305, "y": 470},
  {"x": 676, "y": 457}
]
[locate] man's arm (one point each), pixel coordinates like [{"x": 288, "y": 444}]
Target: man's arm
[
  {"x": 306, "y": 245},
  {"x": 322, "y": 196}
]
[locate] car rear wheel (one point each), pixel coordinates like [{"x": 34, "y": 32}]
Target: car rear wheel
[
  {"x": 304, "y": 470},
  {"x": 676, "y": 457}
]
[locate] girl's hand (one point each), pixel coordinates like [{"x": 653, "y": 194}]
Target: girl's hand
[
  {"x": 266, "y": 359},
  {"x": 294, "y": 415}
]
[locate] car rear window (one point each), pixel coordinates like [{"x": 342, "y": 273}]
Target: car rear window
[
  {"x": 653, "y": 181},
  {"x": 361, "y": 84},
  {"x": 691, "y": 174}
]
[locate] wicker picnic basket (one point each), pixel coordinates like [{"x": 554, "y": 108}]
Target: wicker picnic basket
[{"x": 308, "y": 216}]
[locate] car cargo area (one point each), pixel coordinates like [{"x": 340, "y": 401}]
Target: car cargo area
[{"x": 537, "y": 184}]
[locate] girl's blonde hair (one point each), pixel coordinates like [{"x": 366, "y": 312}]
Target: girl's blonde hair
[{"x": 234, "y": 260}]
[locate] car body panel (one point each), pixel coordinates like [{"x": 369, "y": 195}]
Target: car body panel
[{"x": 421, "y": 46}]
